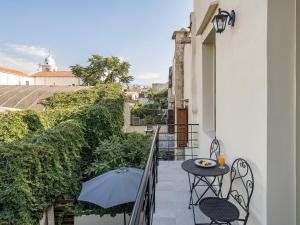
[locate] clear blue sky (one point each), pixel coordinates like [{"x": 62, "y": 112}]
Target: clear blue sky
[{"x": 139, "y": 31}]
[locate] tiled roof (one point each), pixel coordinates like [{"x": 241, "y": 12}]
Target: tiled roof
[
  {"x": 11, "y": 71},
  {"x": 38, "y": 74},
  {"x": 53, "y": 74}
]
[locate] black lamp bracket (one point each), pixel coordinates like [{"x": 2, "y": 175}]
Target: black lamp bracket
[{"x": 230, "y": 15}]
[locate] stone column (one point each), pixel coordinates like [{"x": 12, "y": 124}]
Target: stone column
[{"x": 181, "y": 38}]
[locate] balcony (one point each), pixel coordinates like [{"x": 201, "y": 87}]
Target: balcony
[
  {"x": 172, "y": 195},
  {"x": 163, "y": 198}
]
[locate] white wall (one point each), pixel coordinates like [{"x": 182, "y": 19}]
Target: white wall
[
  {"x": 255, "y": 99},
  {"x": 23, "y": 80},
  {"x": 11, "y": 79},
  {"x": 57, "y": 81},
  {"x": 281, "y": 183},
  {"x": 241, "y": 95}
]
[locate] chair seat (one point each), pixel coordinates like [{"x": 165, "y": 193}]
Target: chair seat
[{"x": 218, "y": 209}]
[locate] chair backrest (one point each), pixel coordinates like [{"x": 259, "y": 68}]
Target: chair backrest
[
  {"x": 214, "y": 149},
  {"x": 241, "y": 184}
]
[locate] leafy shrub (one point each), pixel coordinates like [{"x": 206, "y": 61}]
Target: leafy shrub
[
  {"x": 154, "y": 111},
  {"x": 17, "y": 125},
  {"x": 151, "y": 112},
  {"x": 102, "y": 120},
  {"x": 50, "y": 153},
  {"x": 37, "y": 171},
  {"x": 83, "y": 97},
  {"x": 127, "y": 150}
]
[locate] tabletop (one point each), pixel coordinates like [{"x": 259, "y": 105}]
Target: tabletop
[{"x": 190, "y": 167}]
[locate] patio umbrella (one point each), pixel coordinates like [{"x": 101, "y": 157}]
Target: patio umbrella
[{"x": 116, "y": 187}]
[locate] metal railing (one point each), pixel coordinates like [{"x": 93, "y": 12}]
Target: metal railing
[
  {"x": 164, "y": 146},
  {"x": 144, "y": 206},
  {"x": 178, "y": 141}
]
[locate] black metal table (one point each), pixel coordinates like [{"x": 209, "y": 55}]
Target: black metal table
[{"x": 208, "y": 176}]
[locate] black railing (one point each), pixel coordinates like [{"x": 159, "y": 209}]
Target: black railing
[
  {"x": 144, "y": 206},
  {"x": 178, "y": 141}
]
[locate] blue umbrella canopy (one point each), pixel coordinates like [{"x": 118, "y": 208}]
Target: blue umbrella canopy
[{"x": 113, "y": 188}]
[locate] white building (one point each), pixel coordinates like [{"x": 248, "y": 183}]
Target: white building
[
  {"x": 242, "y": 87},
  {"x": 14, "y": 77},
  {"x": 47, "y": 74},
  {"x": 56, "y": 78}
]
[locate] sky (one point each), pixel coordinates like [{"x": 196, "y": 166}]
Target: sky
[{"x": 137, "y": 31}]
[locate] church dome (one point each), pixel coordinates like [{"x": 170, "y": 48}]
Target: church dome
[
  {"x": 49, "y": 65},
  {"x": 50, "y": 61}
]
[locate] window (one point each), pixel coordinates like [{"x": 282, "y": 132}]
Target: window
[
  {"x": 209, "y": 82},
  {"x": 27, "y": 82}
]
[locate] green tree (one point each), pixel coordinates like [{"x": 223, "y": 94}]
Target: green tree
[{"x": 103, "y": 70}]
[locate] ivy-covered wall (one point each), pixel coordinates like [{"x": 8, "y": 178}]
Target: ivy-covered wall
[
  {"x": 16, "y": 126},
  {"x": 46, "y": 156}
]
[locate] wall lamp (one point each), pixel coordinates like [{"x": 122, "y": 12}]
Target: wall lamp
[{"x": 220, "y": 20}]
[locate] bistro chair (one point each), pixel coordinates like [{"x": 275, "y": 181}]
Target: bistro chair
[
  {"x": 222, "y": 210},
  {"x": 214, "y": 152}
]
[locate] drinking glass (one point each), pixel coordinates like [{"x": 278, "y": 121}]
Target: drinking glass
[{"x": 221, "y": 161}]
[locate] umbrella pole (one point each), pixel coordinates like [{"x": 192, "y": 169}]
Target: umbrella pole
[{"x": 124, "y": 216}]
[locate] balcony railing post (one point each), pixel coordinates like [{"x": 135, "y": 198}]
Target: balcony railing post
[{"x": 145, "y": 203}]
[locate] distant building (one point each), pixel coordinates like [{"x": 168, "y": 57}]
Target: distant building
[
  {"x": 14, "y": 77},
  {"x": 47, "y": 74},
  {"x": 158, "y": 87},
  {"x": 133, "y": 94},
  {"x": 138, "y": 93}
]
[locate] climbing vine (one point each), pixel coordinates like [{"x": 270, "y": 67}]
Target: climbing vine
[{"x": 45, "y": 156}]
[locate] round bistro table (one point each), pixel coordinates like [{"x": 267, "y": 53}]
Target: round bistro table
[{"x": 202, "y": 174}]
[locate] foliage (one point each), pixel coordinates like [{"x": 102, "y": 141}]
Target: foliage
[
  {"x": 103, "y": 70},
  {"x": 152, "y": 95},
  {"x": 17, "y": 125},
  {"x": 152, "y": 112},
  {"x": 127, "y": 150},
  {"x": 100, "y": 121},
  {"x": 152, "y": 119},
  {"x": 41, "y": 166},
  {"x": 160, "y": 98},
  {"x": 83, "y": 97},
  {"x": 35, "y": 172}
]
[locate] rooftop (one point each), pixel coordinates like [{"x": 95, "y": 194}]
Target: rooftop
[
  {"x": 53, "y": 74},
  {"x": 11, "y": 71},
  {"x": 37, "y": 74}
]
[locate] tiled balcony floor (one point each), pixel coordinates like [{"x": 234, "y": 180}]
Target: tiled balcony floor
[{"x": 172, "y": 197}]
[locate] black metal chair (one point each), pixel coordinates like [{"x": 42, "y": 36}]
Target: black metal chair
[
  {"x": 214, "y": 152},
  {"x": 222, "y": 210}
]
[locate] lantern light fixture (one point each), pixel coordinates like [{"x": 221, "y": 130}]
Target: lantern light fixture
[{"x": 220, "y": 20}]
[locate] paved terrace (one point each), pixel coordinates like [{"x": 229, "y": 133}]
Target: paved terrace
[{"x": 172, "y": 197}]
